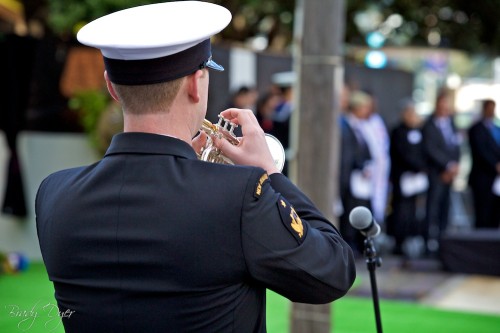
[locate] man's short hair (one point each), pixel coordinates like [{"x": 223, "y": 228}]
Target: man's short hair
[
  {"x": 149, "y": 98},
  {"x": 487, "y": 103}
]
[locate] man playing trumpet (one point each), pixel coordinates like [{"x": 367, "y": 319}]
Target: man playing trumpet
[{"x": 151, "y": 239}]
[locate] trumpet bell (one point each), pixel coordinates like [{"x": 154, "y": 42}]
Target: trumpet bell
[{"x": 277, "y": 151}]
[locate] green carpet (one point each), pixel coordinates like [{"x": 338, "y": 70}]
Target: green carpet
[{"x": 29, "y": 293}]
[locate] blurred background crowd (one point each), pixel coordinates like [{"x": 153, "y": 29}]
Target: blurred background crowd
[{"x": 406, "y": 174}]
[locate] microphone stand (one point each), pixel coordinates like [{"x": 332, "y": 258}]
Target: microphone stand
[{"x": 372, "y": 261}]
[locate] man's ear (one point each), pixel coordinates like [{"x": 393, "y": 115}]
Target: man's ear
[
  {"x": 111, "y": 90},
  {"x": 193, "y": 85}
]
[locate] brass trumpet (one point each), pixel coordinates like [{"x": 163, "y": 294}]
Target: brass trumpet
[{"x": 225, "y": 129}]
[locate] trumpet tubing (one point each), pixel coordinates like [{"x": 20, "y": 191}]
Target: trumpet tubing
[{"x": 225, "y": 129}]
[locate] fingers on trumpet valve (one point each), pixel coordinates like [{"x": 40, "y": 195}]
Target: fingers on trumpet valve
[
  {"x": 224, "y": 123},
  {"x": 226, "y": 129}
]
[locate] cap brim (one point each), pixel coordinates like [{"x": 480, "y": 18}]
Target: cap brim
[{"x": 213, "y": 65}]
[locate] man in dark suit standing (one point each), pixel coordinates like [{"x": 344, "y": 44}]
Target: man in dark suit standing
[
  {"x": 408, "y": 177},
  {"x": 355, "y": 175},
  {"x": 442, "y": 150},
  {"x": 485, "y": 151},
  {"x": 152, "y": 239}
]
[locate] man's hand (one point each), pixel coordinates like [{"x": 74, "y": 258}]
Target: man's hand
[
  {"x": 199, "y": 142},
  {"x": 252, "y": 149},
  {"x": 450, "y": 173}
]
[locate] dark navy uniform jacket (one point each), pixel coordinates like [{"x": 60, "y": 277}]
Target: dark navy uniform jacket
[
  {"x": 150, "y": 239},
  {"x": 485, "y": 156}
]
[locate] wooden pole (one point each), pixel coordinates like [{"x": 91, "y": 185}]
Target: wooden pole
[{"x": 318, "y": 63}]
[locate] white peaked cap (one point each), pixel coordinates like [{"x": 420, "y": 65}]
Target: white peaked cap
[{"x": 157, "y": 31}]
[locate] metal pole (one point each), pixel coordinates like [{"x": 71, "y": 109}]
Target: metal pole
[{"x": 372, "y": 262}]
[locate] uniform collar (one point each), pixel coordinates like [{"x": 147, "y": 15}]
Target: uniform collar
[{"x": 147, "y": 143}]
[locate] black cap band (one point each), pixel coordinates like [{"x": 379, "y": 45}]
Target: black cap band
[{"x": 150, "y": 71}]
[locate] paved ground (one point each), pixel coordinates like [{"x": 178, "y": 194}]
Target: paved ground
[{"x": 424, "y": 281}]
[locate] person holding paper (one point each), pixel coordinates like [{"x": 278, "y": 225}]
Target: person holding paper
[
  {"x": 356, "y": 186},
  {"x": 409, "y": 179}
]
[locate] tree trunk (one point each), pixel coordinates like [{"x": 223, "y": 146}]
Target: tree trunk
[{"x": 318, "y": 62}]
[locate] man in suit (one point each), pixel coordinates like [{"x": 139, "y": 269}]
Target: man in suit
[
  {"x": 485, "y": 151},
  {"x": 355, "y": 173},
  {"x": 442, "y": 150},
  {"x": 152, "y": 239},
  {"x": 408, "y": 177}
]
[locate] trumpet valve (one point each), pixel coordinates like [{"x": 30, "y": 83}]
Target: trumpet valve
[
  {"x": 231, "y": 129},
  {"x": 219, "y": 123}
]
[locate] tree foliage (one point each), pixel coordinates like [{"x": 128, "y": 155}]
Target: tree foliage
[
  {"x": 462, "y": 24},
  {"x": 251, "y": 18},
  {"x": 67, "y": 16}
]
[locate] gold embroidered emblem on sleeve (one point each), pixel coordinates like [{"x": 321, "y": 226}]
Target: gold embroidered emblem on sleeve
[
  {"x": 291, "y": 220},
  {"x": 296, "y": 223},
  {"x": 258, "y": 188}
]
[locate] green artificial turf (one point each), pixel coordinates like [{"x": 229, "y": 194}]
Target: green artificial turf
[
  {"x": 22, "y": 296},
  {"x": 356, "y": 315},
  {"x": 30, "y": 292}
]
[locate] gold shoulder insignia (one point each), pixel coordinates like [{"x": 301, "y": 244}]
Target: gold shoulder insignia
[
  {"x": 291, "y": 220},
  {"x": 258, "y": 188},
  {"x": 296, "y": 223}
]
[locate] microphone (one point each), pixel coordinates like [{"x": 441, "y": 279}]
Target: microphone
[{"x": 361, "y": 218}]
